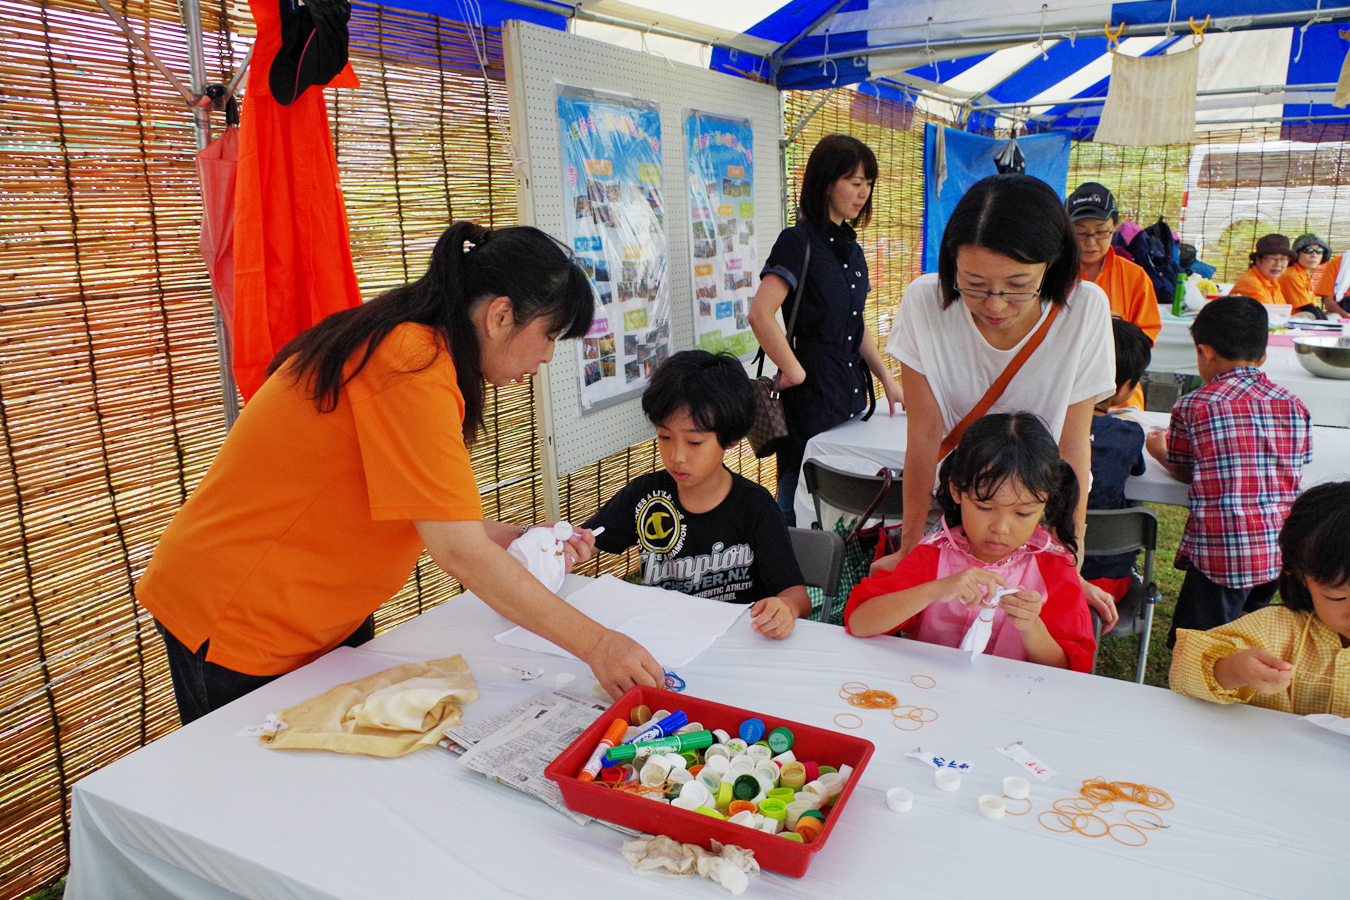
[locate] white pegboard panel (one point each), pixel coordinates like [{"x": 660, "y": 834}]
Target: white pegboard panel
[{"x": 537, "y": 60}]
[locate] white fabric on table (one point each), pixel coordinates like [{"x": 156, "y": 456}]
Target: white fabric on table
[
  {"x": 1258, "y": 793},
  {"x": 675, "y": 628}
]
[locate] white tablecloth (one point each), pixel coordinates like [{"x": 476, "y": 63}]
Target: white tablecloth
[
  {"x": 1327, "y": 399},
  {"x": 882, "y": 440},
  {"x": 1261, "y": 797}
]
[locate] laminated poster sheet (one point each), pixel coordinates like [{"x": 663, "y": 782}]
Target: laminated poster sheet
[
  {"x": 722, "y": 244},
  {"x": 612, "y": 193}
]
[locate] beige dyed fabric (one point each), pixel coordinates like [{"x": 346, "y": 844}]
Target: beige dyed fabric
[
  {"x": 1342, "y": 95},
  {"x": 1150, "y": 100},
  {"x": 386, "y": 714}
]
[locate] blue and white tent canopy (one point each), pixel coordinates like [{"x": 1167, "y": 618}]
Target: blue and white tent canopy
[{"x": 1044, "y": 62}]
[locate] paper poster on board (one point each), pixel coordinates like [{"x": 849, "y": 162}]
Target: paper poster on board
[
  {"x": 615, "y": 213},
  {"x": 724, "y": 251}
]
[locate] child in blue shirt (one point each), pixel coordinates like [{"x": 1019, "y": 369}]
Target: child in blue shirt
[
  {"x": 702, "y": 529},
  {"x": 1117, "y": 453}
]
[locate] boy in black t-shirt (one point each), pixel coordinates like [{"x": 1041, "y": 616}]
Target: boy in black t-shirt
[
  {"x": 1117, "y": 453},
  {"x": 702, "y": 529}
]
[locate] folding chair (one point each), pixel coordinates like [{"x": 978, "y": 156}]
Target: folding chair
[
  {"x": 820, "y": 555},
  {"x": 1115, "y": 531},
  {"x": 850, "y": 493}
]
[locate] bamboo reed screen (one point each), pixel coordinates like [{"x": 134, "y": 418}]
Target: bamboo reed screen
[{"x": 109, "y": 400}]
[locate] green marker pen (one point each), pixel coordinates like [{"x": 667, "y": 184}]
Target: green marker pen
[{"x": 677, "y": 743}]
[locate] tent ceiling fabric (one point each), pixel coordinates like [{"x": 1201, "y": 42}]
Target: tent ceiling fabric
[{"x": 1049, "y": 55}]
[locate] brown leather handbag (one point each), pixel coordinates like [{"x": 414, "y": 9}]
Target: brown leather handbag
[{"x": 769, "y": 431}]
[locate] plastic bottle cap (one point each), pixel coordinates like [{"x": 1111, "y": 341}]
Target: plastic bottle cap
[
  {"x": 1016, "y": 788},
  {"x": 786, "y": 794},
  {"x": 791, "y": 836},
  {"x": 812, "y": 771},
  {"x": 780, "y": 740},
  {"x": 947, "y": 780},
  {"x": 792, "y": 774},
  {"x": 900, "y": 799},
  {"x": 736, "y": 746},
  {"x": 640, "y": 714},
  {"x": 813, "y": 814},
  {"x": 773, "y": 809},
  {"x": 746, "y": 787},
  {"x": 710, "y": 813},
  {"x": 724, "y": 795},
  {"x": 992, "y": 806},
  {"x": 751, "y": 730},
  {"x": 736, "y": 806},
  {"x": 562, "y": 530}
]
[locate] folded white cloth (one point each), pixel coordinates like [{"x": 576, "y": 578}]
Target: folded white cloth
[{"x": 730, "y": 866}]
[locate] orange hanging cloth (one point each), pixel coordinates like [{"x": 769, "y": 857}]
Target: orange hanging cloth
[{"x": 292, "y": 252}]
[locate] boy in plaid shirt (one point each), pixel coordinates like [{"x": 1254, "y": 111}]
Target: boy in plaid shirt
[{"x": 1241, "y": 443}]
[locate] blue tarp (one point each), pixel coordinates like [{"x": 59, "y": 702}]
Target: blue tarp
[{"x": 970, "y": 157}]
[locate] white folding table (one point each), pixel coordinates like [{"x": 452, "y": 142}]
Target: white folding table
[{"x": 1261, "y": 797}]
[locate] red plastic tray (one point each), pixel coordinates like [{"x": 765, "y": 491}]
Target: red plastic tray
[{"x": 829, "y": 748}]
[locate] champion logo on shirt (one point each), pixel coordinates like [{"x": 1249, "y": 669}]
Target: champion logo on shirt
[{"x": 659, "y": 525}]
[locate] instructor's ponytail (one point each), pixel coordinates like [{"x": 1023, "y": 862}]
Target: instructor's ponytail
[{"x": 470, "y": 265}]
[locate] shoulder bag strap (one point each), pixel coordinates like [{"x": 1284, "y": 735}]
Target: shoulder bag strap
[
  {"x": 1000, "y": 384},
  {"x": 886, "y": 479},
  {"x": 796, "y": 307}
]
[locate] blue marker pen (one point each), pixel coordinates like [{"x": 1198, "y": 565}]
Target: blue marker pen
[{"x": 661, "y": 728}]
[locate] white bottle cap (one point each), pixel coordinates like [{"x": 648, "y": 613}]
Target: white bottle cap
[
  {"x": 992, "y": 807},
  {"x": 696, "y": 790},
  {"x": 562, "y": 530},
  {"x": 947, "y": 780},
  {"x": 900, "y": 800},
  {"x": 1016, "y": 788},
  {"x": 744, "y": 817}
]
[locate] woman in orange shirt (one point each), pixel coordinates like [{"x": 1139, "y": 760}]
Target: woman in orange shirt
[
  {"x": 1310, "y": 251},
  {"x": 1268, "y": 262},
  {"x": 353, "y": 458}
]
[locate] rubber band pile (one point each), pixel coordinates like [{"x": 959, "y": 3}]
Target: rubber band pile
[
  {"x": 1100, "y": 796},
  {"x": 863, "y": 697}
]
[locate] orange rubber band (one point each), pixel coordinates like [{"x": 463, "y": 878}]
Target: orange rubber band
[
  {"x": 921, "y": 686},
  {"x": 896, "y": 723},
  {"x": 873, "y": 699},
  {"x": 1110, "y": 829},
  {"x": 1023, "y": 812},
  {"x": 845, "y": 693},
  {"x": 1147, "y": 812},
  {"x": 1059, "y": 815},
  {"x": 851, "y": 716}
]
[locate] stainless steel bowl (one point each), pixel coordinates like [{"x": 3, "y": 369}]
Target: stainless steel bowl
[{"x": 1325, "y": 357}]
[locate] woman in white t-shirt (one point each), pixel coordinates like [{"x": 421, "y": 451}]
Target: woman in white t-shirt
[{"x": 1008, "y": 256}]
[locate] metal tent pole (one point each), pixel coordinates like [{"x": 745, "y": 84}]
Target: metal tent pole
[{"x": 191, "y": 14}]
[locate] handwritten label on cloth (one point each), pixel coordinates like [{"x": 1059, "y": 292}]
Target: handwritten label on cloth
[
  {"x": 939, "y": 762},
  {"x": 1018, "y": 754}
]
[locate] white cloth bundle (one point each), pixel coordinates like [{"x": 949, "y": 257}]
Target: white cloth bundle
[
  {"x": 977, "y": 635},
  {"x": 1150, "y": 100},
  {"x": 540, "y": 551},
  {"x": 730, "y": 866}
]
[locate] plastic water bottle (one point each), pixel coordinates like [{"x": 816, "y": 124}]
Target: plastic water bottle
[{"x": 1179, "y": 296}]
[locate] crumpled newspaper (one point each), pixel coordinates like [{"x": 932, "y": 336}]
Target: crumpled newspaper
[{"x": 730, "y": 866}]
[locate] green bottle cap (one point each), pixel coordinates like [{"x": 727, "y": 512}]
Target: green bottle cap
[
  {"x": 780, "y": 740},
  {"x": 745, "y": 787},
  {"x": 812, "y": 814}
]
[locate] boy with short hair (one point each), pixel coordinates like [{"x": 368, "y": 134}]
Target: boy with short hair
[
  {"x": 1117, "y": 452},
  {"x": 702, "y": 529},
  {"x": 1241, "y": 443}
]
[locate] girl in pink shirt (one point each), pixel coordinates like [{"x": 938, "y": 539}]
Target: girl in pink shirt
[{"x": 1008, "y": 502}]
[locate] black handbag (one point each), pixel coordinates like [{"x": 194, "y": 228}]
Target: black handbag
[{"x": 769, "y": 431}]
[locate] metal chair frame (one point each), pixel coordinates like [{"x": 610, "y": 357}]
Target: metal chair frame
[{"x": 1113, "y": 531}]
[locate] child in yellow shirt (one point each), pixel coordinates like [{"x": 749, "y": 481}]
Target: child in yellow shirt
[{"x": 1294, "y": 657}]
